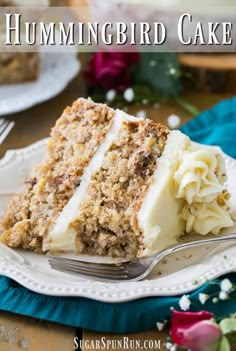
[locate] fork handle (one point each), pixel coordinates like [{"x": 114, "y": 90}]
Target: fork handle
[
  {"x": 178, "y": 247},
  {"x": 200, "y": 242}
]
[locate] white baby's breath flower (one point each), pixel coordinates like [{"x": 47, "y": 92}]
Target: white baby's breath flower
[
  {"x": 173, "y": 348},
  {"x": 129, "y": 94},
  {"x": 184, "y": 303},
  {"x": 160, "y": 326},
  {"x": 152, "y": 63},
  {"x": 172, "y": 70},
  {"x": 110, "y": 95},
  {"x": 223, "y": 295},
  {"x": 226, "y": 285},
  {"x": 173, "y": 121},
  {"x": 202, "y": 298},
  {"x": 215, "y": 299},
  {"x": 168, "y": 345},
  {"x": 141, "y": 114}
]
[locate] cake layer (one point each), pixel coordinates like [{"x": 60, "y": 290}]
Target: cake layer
[{"x": 74, "y": 140}]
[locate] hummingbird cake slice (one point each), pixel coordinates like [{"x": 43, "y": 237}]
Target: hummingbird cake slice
[{"x": 118, "y": 186}]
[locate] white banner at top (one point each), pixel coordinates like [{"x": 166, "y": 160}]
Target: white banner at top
[{"x": 120, "y": 25}]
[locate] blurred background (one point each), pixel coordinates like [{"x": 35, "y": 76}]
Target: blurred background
[{"x": 168, "y": 87}]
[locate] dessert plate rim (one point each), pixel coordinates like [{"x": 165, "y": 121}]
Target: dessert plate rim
[{"x": 193, "y": 268}]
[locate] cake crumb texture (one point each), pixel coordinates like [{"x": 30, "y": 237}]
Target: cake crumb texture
[
  {"x": 74, "y": 139},
  {"x": 107, "y": 224}
]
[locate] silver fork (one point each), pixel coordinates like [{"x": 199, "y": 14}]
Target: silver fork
[
  {"x": 128, "y": 271},
  {"x": 5, "y": 128}
]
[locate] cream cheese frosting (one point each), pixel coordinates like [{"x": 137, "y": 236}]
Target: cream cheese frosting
[
  {"x": 204, "y": 218},
  {"x": 201, "y": 175},
  {"x": 188, "y": 195},
  {"x": 159, "y": 217},
  {"x": 200, "y": 181}
]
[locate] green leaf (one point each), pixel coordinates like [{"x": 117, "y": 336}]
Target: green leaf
[
  {"x": 160, "y": 71},
  {"x": 228, "y": 325},
  {"x": 192, "y": 110},
  {"x": 143, "y": 92},
  {"x": 224, "y": 345}
]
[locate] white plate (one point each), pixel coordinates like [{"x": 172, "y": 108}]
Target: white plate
[
  {"x": 57, "y": 70},
  {"x": 178, "y": 274}
]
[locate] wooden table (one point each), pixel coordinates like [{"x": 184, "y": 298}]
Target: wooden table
[{"x": 35, "y": 124}]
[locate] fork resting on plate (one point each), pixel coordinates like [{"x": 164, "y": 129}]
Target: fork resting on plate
[
  {"x": 5, "y": 128},
  {"x": 127, "y": 271}
]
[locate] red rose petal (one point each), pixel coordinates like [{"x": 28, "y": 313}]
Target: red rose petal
[
  {"x": 110, "y": 70},
  {"x": 184, "y": 320}
]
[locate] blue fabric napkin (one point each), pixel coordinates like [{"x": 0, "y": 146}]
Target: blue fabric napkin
[{"x": 216, "y": 126}]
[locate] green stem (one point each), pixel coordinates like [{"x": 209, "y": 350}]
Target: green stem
[
  {"x": 232, "y": 338},
  {"x": 191, "y": 109}
]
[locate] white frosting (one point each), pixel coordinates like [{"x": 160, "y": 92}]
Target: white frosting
[
  {"x": 62, "y": 235},
  {"x": 159, "y": 216},
  {"x": 201, "y": 175},
  {"x": 204, "y": 218},
  {"x": 200, "y": 182},
  {"x": 188, "y": 181}
]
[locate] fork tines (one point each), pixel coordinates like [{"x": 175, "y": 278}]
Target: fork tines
[
  {"x": 5, "y": 128},
  {"x": 98, "y": 270}
]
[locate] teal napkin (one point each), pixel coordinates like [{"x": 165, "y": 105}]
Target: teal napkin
[{"x": 216, "y": 126}]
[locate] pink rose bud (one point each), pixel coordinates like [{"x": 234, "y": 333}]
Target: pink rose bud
[
  {"x": 185, "y": 320},
  {"x": 202, "y": 336}
]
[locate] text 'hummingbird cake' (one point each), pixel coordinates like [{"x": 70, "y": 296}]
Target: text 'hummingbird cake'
[{"x": 119, "y": 186}]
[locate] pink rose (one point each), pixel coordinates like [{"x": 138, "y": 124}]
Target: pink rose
[
  {"x": 111, "y": 70},
  {"x": 195, "y": 330}
]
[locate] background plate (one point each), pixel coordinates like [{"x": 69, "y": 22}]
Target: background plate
[
  {"x": 177, "y": 274},
  {"x": 57, "y": 70}
]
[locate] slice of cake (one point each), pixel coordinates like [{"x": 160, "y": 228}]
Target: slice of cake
[
  {"x": 116, "y": 185},
  {"x": 74, "y": 140},
  {"x": 17, "y": 66}
]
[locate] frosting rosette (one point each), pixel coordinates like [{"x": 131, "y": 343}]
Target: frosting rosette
[
  {"x": 200, "y": 176},
  {"x": 204, "y": 218}
]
